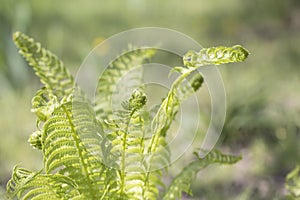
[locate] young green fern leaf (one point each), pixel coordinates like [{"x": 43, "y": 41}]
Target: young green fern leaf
[
  {"x": 192, "y": 60},
  {"x": 215, "y": 56},
  {"x": 130, "y": 128}
]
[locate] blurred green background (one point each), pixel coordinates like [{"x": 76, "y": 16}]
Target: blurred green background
[{"x": 263, "y": 98}]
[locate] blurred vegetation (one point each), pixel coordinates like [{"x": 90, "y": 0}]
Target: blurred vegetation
[{"x": 263, "y": 99}]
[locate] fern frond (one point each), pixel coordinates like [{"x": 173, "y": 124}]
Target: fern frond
[
  {"x": 181, "y": 183},
  {"x": 37, "y": 186},
  {"x": 110, "y": 77},
  {"x": 70, "y": 138},
  {"x": 157, "y": 147},
  {"x": 215, "y": 56},
  {"x": 46, "y": 65},
  {"x": 192, "y": 61},
  {"x": 71, "y": 146},
  {"x": 180, "y": 90},
  {"x": 126, "y": 137},
  {"x": 167, "y": 111}
]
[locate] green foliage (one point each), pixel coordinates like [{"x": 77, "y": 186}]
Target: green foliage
[
  {"x": 91, "y": 152},
  {"x": 293, "y": 183}
]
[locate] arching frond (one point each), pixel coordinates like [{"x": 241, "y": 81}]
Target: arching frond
[
  {"x": 157, "y": 147},
  {"x": 181, "y": 183},
  {"x": 177, "y": 93}
]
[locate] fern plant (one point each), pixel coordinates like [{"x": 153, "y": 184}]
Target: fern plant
[{"x": 91, "y": 152}]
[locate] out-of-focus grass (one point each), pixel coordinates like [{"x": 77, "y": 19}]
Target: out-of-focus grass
[{"x": 263, "y": 102}]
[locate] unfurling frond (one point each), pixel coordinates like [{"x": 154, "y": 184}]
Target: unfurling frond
[
  {"x": 127, "y": 139},
  {"x": 215, "y": 56},
  {"x": 35, "y": 139},
  {"x": 179, "y": 91},
  {"x": 181, "y": 183},
  {"x": 137, "y": 100},
  {"x": 43, "y": 104}
]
